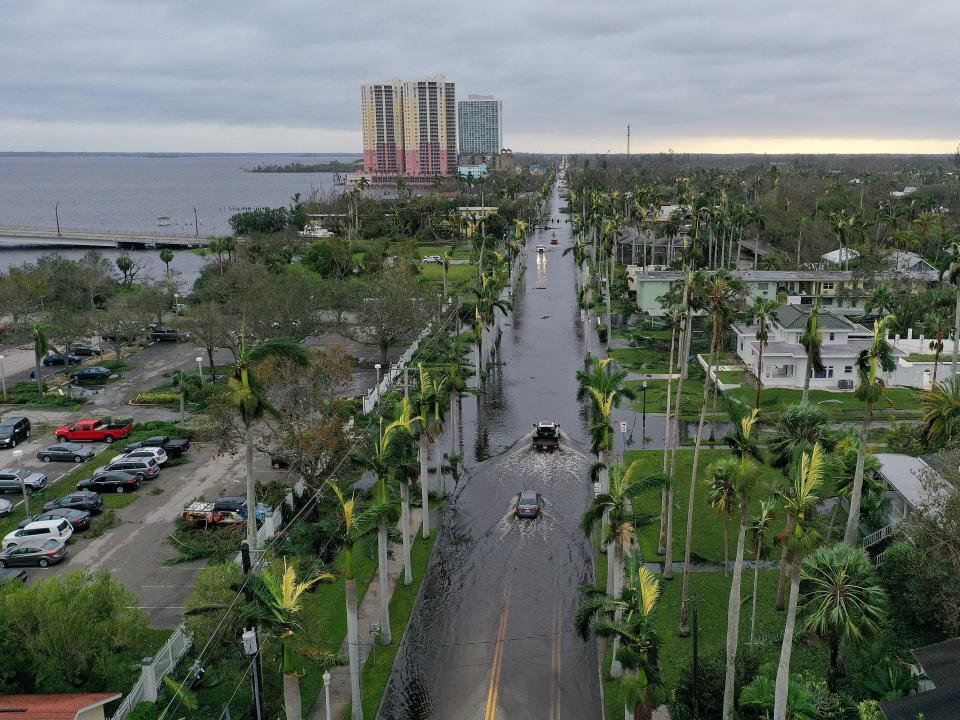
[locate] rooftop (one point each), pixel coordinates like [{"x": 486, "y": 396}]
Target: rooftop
[
  {"x": 53, "y": 707},
  {"x": 905, "y": 475},
  {"x": 794, "y": 317},
  {"x": 940, "y": 663}
]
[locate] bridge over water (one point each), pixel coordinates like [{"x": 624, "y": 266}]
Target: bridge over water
[{"x": 43, "y": 237}]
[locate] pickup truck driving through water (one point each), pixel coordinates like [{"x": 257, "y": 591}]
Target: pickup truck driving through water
[
  {"x": 546, "y": 436},
  {"x": 94, "y": 430}
]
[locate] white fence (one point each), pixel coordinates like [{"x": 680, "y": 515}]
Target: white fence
[{"x": 153, "y": 670}]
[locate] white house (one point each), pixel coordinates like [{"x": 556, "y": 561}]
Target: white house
[{"x": 840, "y": 256}]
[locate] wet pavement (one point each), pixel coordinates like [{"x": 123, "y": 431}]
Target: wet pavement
[{"x": 493, "y": 632}]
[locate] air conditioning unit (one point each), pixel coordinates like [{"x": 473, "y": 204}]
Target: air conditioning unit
[{"x": 845, "y": 384}]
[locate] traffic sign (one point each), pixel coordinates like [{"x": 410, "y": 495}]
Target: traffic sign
[
  {"x": 596, "y": 489},
  {"x": 623, "y": 426}
]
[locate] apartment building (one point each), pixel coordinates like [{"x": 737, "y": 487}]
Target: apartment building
[{"x": 480, "y": 119}]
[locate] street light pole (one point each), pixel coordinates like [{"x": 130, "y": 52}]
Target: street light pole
[
  {"x": 644, "y": 386},
  {"x": 18, "y": 454},
  {"x": 200, "y": 368},
  {"x": 378, "y": 366},
  {"x": 251, "y": 641},
  {"x": 326, "y": 692}
]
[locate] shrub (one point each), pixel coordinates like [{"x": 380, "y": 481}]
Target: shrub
[
  {"x": 602, "y": 333},
  {"x": 156, "y": 398},
  {"x": 144, "y": 711},
  {"x": 710, "y": 681}
]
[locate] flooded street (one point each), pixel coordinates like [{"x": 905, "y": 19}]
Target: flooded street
[{"x": 493, "y": 632}]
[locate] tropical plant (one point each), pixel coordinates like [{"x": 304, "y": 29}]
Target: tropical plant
[
  {"x": 796, "y": 430},
  {"x": 721, "y": 496},
  {"x": 811, "y": 339},
  {"x": 871, "y": 362},
  {"x": 801, "y": 507},
  {"x": 761, "y": 312},
  {"x": 760, "y": 695},
  {"x": 181, "y": 380},
  {"x": 41, "y": 346},
  {"x": 941, "y": 411},
  {"x": 248, "y": 398},
  {"x": 937, "y": 326},
  {"x": 675, "y": 315},
  {"x": 890, "y": 681},
  {"x": 759, "y": 536},
  {"x": 429, "y": 421},
  {"x": 842, "y": 600}
]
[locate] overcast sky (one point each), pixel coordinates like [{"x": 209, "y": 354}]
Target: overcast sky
[{"x": 285, "y": 75}]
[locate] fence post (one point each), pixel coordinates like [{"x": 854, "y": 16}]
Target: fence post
[{"x": 148, "y": 680}]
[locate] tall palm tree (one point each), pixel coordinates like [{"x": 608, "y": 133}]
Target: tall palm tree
[
  {"x": 951, "y": 273},
  {"x": 796, "y": 430},
  {"x": 871, "y": 362},
  {"x": 181, "y": 380},
  {"x": 759, "y": 534},
  {"x": 941, "y": 410},
  {"x": 811, "y": 339},
  {"x": 937, "y": 325},
  {"x": 761, "y": 312},
  {"x": 746, "y": 452},
  {"x": 41, "y": 346},
  {"x": 842, "y": 600},
  {"x": 249, "y": 399},
  {"x": 721, "y": 493},
  {"x": 880, "y": 301},
  {"x": 628, "y": 619},
  {"x": 445, "y": 261},
  {"x": 723, "y": 295},
  {"x": 675, "y": 315},
  {"x": 166, "y": 257},
  {"x": 430, "y": 399},
  {"x": 486, "y": 304},
  {"x": 355, "y": 527},
  {"x": 801, "y": 505},
  {"x": 280, "y": 601}
]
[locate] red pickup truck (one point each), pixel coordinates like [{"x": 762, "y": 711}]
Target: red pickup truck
[{"x": 94, "y": 431}]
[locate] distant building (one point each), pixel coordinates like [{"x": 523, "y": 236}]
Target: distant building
[
  {"x": 908, "y": 190},
  {"x": 409, "y": 130},
  {"x": 472, "y": 171},
  {"x": 481, "y": 125},
  {"x": 840, "y": 256},
  {"x": 537, "y": 169},
  {"x": 472, "y": 217}
]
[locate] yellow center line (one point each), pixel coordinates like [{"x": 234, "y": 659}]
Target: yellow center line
[{"x": 494, "y": 691}]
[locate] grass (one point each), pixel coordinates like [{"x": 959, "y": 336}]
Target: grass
[
  {"x": 459, "y": 277},
  {"x": 642, "y": 359},
  {"x": 690, "y": 402},
  {"x": 708, "y": 528},
  {"x": 734, "y": 376},
  {"x": 774, "y": 400},
  {"x": 25, "y": 394},
  {"x": 376, "y": 671}
]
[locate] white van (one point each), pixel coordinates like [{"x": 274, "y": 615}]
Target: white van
[{"x": 58, "y": 529}]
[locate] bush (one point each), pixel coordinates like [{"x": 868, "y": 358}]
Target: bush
[
  {"x": 156, "y": 398},
  {"x": 906, "y": 438},
  {"x": 144, "y": 711},
  {"x": 710, "y": 681},
  {"x": 602, "y": 333}
]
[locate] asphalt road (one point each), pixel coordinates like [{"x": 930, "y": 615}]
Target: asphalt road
[{"x": 493, "y": 632}]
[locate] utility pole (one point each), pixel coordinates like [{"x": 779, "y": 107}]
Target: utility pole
[
  {"x": 628, "y": 144},
  {"x": 196, "y": 223},
  {"x": 56, "y": 211},
  {"x": 252, "y": 642}
]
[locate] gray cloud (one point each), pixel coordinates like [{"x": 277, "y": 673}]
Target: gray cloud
[{"x": 574, "y": 71}]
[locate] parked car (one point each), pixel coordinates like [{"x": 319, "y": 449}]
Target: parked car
[
  {"x": 157, "y": 453},
  {"x": 94, "y": 373},
  {"x": 529, "y": 504},
  {"x": 148, "y": 467},
  {"x": 14, "y": 429},
  {"x": 173, "y": 447},
  {"x": 34, "y": 552},
  {"x": 12, "y": 576},
  {"x": 13, "y": 480},
  {"x": 79, "y": 500},
  {"x": 59, "y": 359},
  {"x": 40, "y": 530},
  {"x": 6, "y": 507},
  {"x": 66, "y": 452},
  {"x": 432, "y": 260},
  {"x": 94, "y": 430},
  {"x": 79, "y": 519},
  {"x": 116, "y": 481},
  {"x": 85, "y": 350},
  {"x": 162, "y": 334}
]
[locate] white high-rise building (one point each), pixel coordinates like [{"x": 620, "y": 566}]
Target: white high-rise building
[{"x": 480, "y": 120}]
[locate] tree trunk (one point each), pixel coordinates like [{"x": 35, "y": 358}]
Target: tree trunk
[
  {"x": 662, "y": 544},
  {"x": 616, "y": 550},
  {"x": 756, "y": 580},
  {"x": 353, "y": 650},
  {"x": 183, "y": 393},
  {"x": 675, "y": 441},
  {"x": 726, "y": 547},
  {"x": 783, "y": 669},
  {"x": 37, "y": 366},
  {"x": 784, "y": 556},
  {"x": 386, "y": 637},
  {"x": 684, "y": 628},
  {"x": 936, "y": 362},
  {"x": 251, "y": 489},
  {"x": 291, "y": 696},
  {"x": 424, "y": 486},
  {"x": 956, "y": 335},
  {"x": 213, "y": 368},
  {"x": 806, "y": 381},
  {"x": 759, "y": 374},
  {"x": 836, "y": 664},
  {"x": 853, "y": 519},
  {"x": 733, "y": 614},
  {"x": 405, "y": 530}
]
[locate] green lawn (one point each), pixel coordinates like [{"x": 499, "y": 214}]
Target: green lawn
[
  {"x": 778, "y": 399},
  {"x": 690, "y": 403},
  {"x": 642, "y": 359},
  {"x": 707, "y": 526},
  {"x": 376, "y": 671},
  {"x": 734, "y": 376},
  {"x": 459, "y": 277}
]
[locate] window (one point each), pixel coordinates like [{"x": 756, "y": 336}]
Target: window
[
  {"x": 820, "y": 374},
  {"x": 848, "y": 369},
  {"x": 762, "y": 286},
  {"x": 828, "y": 286},
  {"x": 831, "y": 337},
  {"x": 829, "y": 371}
]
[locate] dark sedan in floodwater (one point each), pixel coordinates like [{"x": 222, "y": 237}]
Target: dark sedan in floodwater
[
  {"x": 66, "y": 452},
  {"x": 529, "y": 504}
]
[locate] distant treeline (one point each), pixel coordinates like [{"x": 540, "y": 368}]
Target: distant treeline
[{"x": 303, "y": 168}]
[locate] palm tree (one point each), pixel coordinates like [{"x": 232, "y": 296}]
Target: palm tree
[
  {"x": 181, "y": 379},
  {"x": 445, "y": 260},
  {"x": 675, "y": 314},
  {"x": 801, "y": 506},
  {"x": 378, "y": 459},
  {"x": 744, "y": 473},
  {"x": 759, "y": 534},
  {"x": 842, "y": 600},
  {"x": 937, "y": 325},
  {"x": 758, "y": 221},
  {"x": 870, "y": 363},
  {"x": 166, "y": 257},
  {"x": 796, "y": 430},
  {"x": 486, "y": 305},
  {"x": 941, "y": 410},
  {"x": 430, "y": 398},
  {"x": 355, "y": 527},
  {"x": 811, "y": 341},
  {"x": 724, "y": 293},
  {"x": 720, "y": 495},
  {"x": 628, "y": 620},
  {"x": 761, "y": 312},
  {"x": 249, "y": 399},
  {"x": 951, "y": 274},
  {"x": 41, "y": 346},
  {"x": 880, "y": 301},
  {"x": 279, "y": 603}
]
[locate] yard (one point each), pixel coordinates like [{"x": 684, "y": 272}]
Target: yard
[{"x": 772, "y": 400}]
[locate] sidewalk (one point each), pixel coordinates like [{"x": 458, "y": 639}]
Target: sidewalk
[{"x": 368, "y": 612}]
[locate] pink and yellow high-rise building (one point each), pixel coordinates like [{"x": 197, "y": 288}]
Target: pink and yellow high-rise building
[{"x": 409, "y": 129}]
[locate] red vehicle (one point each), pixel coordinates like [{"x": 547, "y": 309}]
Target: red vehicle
[{"x": 94, "y": 430}]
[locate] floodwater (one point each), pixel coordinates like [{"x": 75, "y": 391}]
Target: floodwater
[{"x": 493, "y": 632}]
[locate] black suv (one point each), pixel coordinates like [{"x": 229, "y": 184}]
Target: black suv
[
  {"x": 14, "y": 429},
  {"x": 174, "y": 447},
  {"x": 80, "y": 500},
  {"x": 94, "y": 373}
]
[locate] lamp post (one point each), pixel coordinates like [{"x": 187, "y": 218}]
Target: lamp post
[
  {"x": 200, "y": 368},
  {"x": 18, "y": 454},
  {"x": 3, "y": 379},
  {"x": 378, "y": 366},
  {"x": 644, "y": 388},
  {"x": 326, "y": 692},
  {"x": 251, "y": 643}
]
